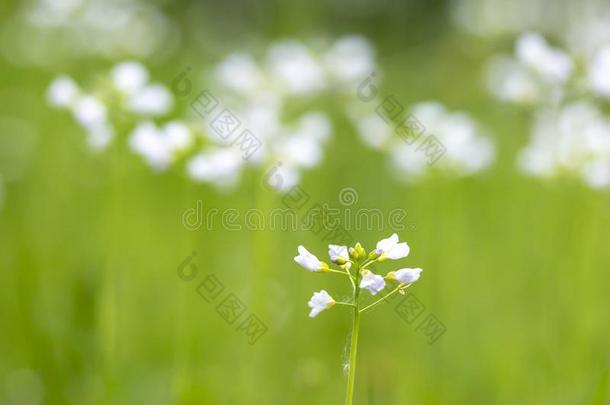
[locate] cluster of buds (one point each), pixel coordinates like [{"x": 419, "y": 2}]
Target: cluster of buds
[{"x": 354, "y": 262}]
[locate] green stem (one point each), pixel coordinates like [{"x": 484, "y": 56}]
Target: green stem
[
  {"x": 353, "y": 350},
  {"x": 345, "y": 303},
  {"x": 403, "y": 286}
]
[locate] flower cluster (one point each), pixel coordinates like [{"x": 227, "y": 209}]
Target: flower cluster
[
  {"x": 354, "y": 262},
  {"x": 467, "y": 149},
  {"x": 124, "y": 92},
  {"x": 277, "y": 96},
  {"x": 567, "y": 94}
]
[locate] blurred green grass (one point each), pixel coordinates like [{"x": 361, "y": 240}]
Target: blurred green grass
[{"x": 90, "y": 300}]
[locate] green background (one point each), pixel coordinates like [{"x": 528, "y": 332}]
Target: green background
[{"x": 91, "y": 302}]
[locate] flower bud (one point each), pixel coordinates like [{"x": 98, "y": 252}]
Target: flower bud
[
  {"x": 352, "y": 253},
  {"x": 374, "y": 255},
  {"x": 360, "y": 252},
  {"x": 339, "y": 260}
]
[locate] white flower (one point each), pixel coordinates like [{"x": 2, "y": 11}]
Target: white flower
[
  {"x": 599, "y": 72},
  {"x": 240, "y": 73},
  {"x": 147, "y": 140},
  {"x": 372, "y": 282},
  {"x": 319, "y": 302},
  {"x": 177, "y": 135},
  {"x": 129, "y": 76},
  {"x": 351, "y": 58},
  {"x": 308, "y": 260},
  {"x": 62, "y": 92},
  {"x": 552, "y": 64},
  {"x": 152, "y": 99},
  {"x": 405, "y": 275},
  {"x": 338, "y": 252},
  {"x": 391, "y": 249},
  {"x": 220, "y": 167},
  {"x": 373, "y": 131},
  {"x": 574, "y": 140},
  {"x": 295, "y": 67},
  {"x": 89, "y": 111}
]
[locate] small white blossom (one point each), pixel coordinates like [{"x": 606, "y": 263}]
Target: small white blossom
[
  {"x": 240, "y": 73},
  {"x": 295, "y": 67},
  {"x": 89, "y": 111},
  {"x": 129, "y": 77},
  {"x": 390, "y": 248},
  {"x": 319, "y": 302},
  {"x": 336, "y": 252},
  {"x": 599, "y": 72},
  {"x": 62, "y": 92},
  {"x": 220, "y": 167},
  {"x": 152, "y": 99},
  {"x": 405, "y": 275},
  {"x": 552, "y": 64},
  {"x": 147, "y": 140},
  {"x": 351, "y": 58},
  {"x": 372, "y": 282},
  {"x": 308, "y": 260},
  {"x": 178, "y": 136}
]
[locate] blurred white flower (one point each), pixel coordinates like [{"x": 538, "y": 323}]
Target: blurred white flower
[
  {"x": 405, "y": 275},
  {"x": 62, "y": 92},
  {"x": 308, "y": 260},
  {"x": 129, "y": 77},
  {"x": 508, "y": 80},
  {"x": 534, "y": 52},
  {"x": 220, "y": 167},
  {"x": 178, "y": 135},
  {"x": 372, "y": 282},
  {"x": 390, "y": 248},
  {"x": 350, "y": 59},
  {"x": 572, "y": 139},
  {"x": 599, "y": 72},
  {"x": 152, "y": 99},
  {"x": 147, "y": 141},
  {"x": 158, "y": 146},
  {"x": 464, "y": 149},
  {"x": 319, "y": 302},
  {"x": 89, "y": 111},
  {"x": 538, "y": 73},
  {"x": 373, "y": 130},
  {"x": 240, "y": 73},
  {"x": 295, "y": 67}
]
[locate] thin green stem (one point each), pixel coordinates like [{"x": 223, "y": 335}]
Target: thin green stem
[
  {"x": 345, "y": 303},
  {"x": 353, "y": 350},
  {"x": 385, "y": 297}
]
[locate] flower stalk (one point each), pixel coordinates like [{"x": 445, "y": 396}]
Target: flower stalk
[{"x": 355, "y": 263}]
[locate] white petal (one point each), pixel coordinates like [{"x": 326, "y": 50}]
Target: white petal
[
  {"x": 407, "y": 275},
  {"x": 319, "y": 302},
  {"x": 372, "y": 282},
  {"x": 398, "y": 251}
]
